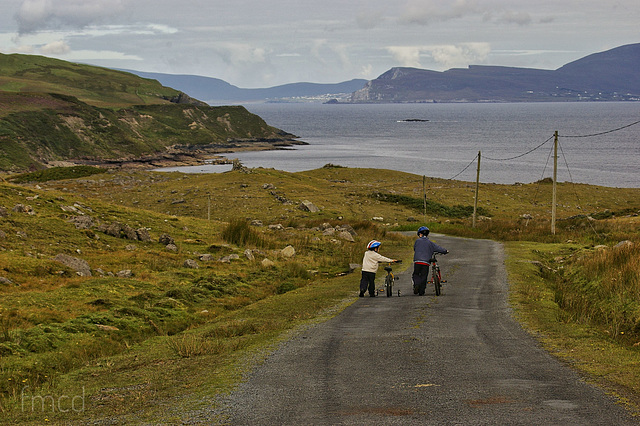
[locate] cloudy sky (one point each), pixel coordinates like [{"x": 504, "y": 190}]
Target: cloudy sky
[{"x": 263, "y": 43}]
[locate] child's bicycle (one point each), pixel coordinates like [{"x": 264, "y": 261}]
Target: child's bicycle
[
  {"x": 389, "y": 280},
  {"x": 436, "y": 277}
]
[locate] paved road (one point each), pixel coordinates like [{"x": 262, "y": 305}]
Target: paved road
[{"x": 457, "y": 359}]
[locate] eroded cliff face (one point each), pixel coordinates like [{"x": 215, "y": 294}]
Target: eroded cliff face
[{"x": 361, "y": 95}]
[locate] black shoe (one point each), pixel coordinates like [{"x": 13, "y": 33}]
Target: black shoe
[
  {"x": 361, "y": 294},
  {"x": 372, "y": 295},
  {"x": 415, "y": 289}
]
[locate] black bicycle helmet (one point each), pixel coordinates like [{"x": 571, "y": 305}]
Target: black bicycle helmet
[{"x": 423, "y": 230}]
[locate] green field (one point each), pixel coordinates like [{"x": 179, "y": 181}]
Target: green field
[{"x": 126, "y": 335}]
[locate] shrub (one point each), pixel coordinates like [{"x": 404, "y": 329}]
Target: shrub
[
  {"x": 240, "y": 233},
  {"x": 190, "y": 345},
  {"x": 285, "y": 287}
]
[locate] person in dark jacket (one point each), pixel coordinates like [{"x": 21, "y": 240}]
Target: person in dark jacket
[{"x": 423, "y": 250}]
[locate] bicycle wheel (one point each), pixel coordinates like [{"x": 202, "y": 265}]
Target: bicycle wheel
[
  {"x": 388, "y": 283},
  {"x": 436, "y": 282}
]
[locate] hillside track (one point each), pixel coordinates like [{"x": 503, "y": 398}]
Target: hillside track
[{"x": 459, "y": 358}]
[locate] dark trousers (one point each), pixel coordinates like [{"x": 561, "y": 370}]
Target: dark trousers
[
  {"x": 419, "y": 277},
  {"x": 368, "y": 281}
]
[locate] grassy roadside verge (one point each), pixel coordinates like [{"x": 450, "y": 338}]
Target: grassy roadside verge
[
  {"x": 168, "y": 376},
  {"x": 605, "y": 360},
  {"x": 175, "y": 377},
  {"x": 168, "y": 337}
]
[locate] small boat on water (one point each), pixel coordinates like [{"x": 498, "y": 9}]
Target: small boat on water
[{"x": 409, "y": 120}]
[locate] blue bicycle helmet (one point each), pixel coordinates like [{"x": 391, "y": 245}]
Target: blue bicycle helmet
[
  {"x": 373, "y": 244},
  {"x": 423, "y": 230}
]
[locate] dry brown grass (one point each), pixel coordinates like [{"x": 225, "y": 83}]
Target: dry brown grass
[{"x": 59, "y": 310}]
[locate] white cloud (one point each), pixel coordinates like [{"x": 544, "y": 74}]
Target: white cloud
[
  {"x": 252, "y": 42},
  {"x": 100, "y": 55},
  {"x": 134, "y": 30},
  {"x": 460, "y": 55},
  {"x": 447, "y": 56},
  {"x": 239, "y": 53},
  {"x": 89, "y": 32},
  {"x": 55, "y": 48},
  {"x": 26, "y": 49},
  {"x": 407, "y": 56},
  {"x": 367, "y": 72},
  {"x": 316, "y": 48},
  {"x": 342, "y": 51},
  {"x": 36, "y": 15},
  {"x": 424, "y": 12}
]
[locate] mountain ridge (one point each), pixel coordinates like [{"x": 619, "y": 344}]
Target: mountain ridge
[
  {"x": 611, "y": 75},
  {"x": 216, "y": 91}
]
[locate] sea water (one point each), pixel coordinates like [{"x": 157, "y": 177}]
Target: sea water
[{"x": 443, "y": 140}]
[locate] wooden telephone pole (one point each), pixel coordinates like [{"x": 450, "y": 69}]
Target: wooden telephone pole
[
  {"x": 475, "y": 202},
  {"x": 424, "y": 197},
  {"x": 555, "y": 179}
]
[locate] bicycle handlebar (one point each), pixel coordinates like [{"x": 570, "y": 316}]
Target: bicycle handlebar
[{"x": 436, "y": 253}]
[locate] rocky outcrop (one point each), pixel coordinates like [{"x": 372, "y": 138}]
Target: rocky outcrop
[
  {"x": 267, "y": 263},
  {"x": 183, "y": 98},
  {"x": 288, "y": 252},
  {"x": 166, "y": 239},
  {"x": 5, "y": 281},
  {"x": 191, "y": 264},
  {"x": 119, "y": 230},
  {"x": 81, "y": 266},
  {"x": 308, "y": 206},
  {"x": 82, "y": 222},
  {"x": 21, "y": 208}
]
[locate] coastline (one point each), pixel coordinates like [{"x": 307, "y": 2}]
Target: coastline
[{"x": 186, "y": 155}]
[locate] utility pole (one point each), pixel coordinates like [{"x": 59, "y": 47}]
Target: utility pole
[
  {"x": 555, "y": 179},
  {"x": 208, "y": 206},
  {"x": 424, "y": 197},
  {"x": 475, "y": 202}
]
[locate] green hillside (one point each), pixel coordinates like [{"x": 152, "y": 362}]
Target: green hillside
[
  {"x": 52, "y": 110},
  {"x": 148, "y": 291},
  {"x": 92, "y": 85}
]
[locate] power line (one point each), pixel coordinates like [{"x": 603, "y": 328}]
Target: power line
[
  {"x": 602, "y": 133},
  {"x": 521, "y": 155},
  {"x": 500, "y": 159},
  {"x": 462, "y": 171},
  {"x": 574, "y": 188},
  {"x": 535, "y": 195},
  {"x": 543, "y": 143}
]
